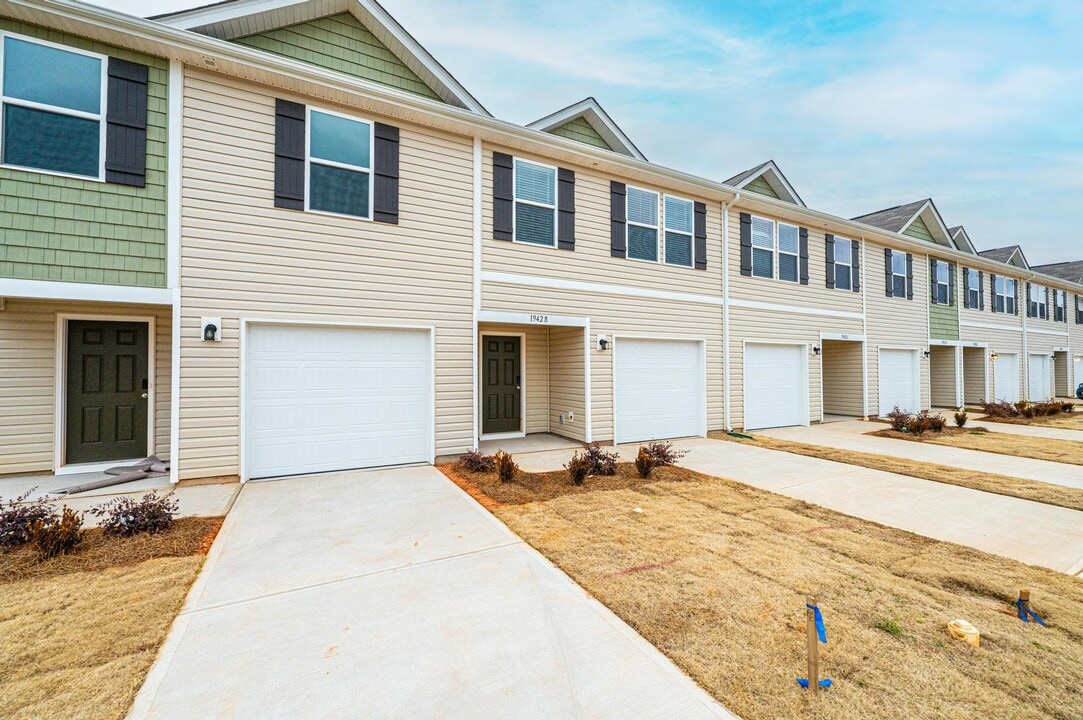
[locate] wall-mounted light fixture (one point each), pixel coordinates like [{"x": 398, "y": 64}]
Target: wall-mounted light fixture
[
  {"x": 603, "y": 342},
  {"x": 816, "y": 349},
  {"x": 211, "y": 329},
  {"x": 993, "y": 356},
  {"x": 926, "y": 353}
]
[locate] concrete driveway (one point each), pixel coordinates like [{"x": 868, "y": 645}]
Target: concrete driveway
[{"x": 392, "y": 594}]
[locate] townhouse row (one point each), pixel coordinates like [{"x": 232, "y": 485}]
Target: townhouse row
[{"x": 273, "y": 238}]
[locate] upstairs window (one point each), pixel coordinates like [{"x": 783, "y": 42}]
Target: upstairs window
[
  {"x": 973, "y": 289},
  {"x": 898, "y": 274},
  {"x": 1060, "y": 305},
  {"x": 1038, "y": 299},
  {"x": 763, "y": 248},
  {"x": 844, "y": 263},
  {"x": 535, "y": 203},
  {"x": 642, "y": 224},
  {"x": 678, "y": 239},
  {"x": 339, "y": 165},
  {"x": 941, "y": 282},
  {"x": 1004, "y": 296},
  {"x": 776, "y": 250},
  {"x": 53, "y": 102},
  {"x": 1079, "y": 314},
  {"x": 789, "y": 252}
]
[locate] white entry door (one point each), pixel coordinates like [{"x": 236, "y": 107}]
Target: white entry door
[
  {"x": 1039, "y": 382},
  {"x": 659, "y": 389},
  {"x": 333, "y": 398},
  {"x": 900, "y": 380},
  {"x": 1006, "y": 377},
  {"x": 776, "y": 386}
]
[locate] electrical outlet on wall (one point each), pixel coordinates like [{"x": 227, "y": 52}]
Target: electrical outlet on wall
[{"x": 571, "y": 417}]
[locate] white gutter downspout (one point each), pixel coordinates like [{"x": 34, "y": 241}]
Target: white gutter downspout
[
  {"x": 476, "y": 300},
  {"x": 726, "y": 309},
  {"x": 865, "y": 335},
  {"x": 173, "y": 260},
  {"x": 1024, "y": 294}
]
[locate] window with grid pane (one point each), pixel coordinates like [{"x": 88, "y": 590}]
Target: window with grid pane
[
  {"x": 339, "y": 164},
  {"x": 789, "y": 252},
  {"x": 52, "y": 108},
  {"x": 642, "y": 208},
  {"x": 898, "y": 274},
  {"x": 973, "y": 288},
  {"x": 535, "y": 203},
  {"x": 1038, "y": 306},
  {"x": 843, "y": 264},
  {"x": 1060, "y": 303},
  {"x": 678, "y": 220},
  {"x": 763, "y": 248},
  {"x": 941, "y": 281}
]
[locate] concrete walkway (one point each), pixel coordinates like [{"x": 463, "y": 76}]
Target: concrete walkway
[
  {"x": 1027, "y": 531},
  {"x": 392, "y": 594},
  {"x": 853, "y": 436}
]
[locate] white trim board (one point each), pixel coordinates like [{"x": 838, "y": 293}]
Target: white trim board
[
  {"x": 525, "y": 318},
  {"x": 992, "y": 326},
  {"x": 758, "y": 305},
  {"x": 1054, "y": 333},
  {"x": 59, "y": 290},
  {"x": 603, "y": 288}
]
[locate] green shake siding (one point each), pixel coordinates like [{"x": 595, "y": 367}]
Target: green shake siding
[
  {"x": 761, "y": 186},
  {"x": 944, "y": 319},
  {"x": 56, "y": 228},
  {"x": 579, "y": 129}
]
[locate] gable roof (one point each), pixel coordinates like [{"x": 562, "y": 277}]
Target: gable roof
[
  {"x": 768, "y": 173},
  {"x": 962, "y": 239},
  {"x": 1010, "y": 255},
  {"x": 590, "y": 111},
  {"x": 919, "y": 214},
  {"x": 240, "y": 18},
  {"x": 1070, "y": 271}
]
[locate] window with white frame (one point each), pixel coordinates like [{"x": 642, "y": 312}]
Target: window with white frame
[
  {"x": 339, "y": 164},
  {"x": 642, "y": 213},
  {"x": 973, "y": 289},
  {"x": 789, "y": 252},
  {"x": 844, "y": 264},
  {"x": 941, "y": 282},
  {"x": 1060, "y": 305},
  {"x": 1004, "y": 295},
  {"x": 898, "y": 274},
  {"x": 763, "y": 248},
  {"x": 776, "y": 250},
  {"x": 1079, "y": 314},
  {"x": 53, "y": 105},
  {"x": 535, "y": 203},
  {"x": 1039, "y": 306},
  {"x": 678, "y": 239}
]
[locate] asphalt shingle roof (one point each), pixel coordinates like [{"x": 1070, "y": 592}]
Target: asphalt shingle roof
[
  {"x": 1003, "y": 254},
  {"x": 1071, "y": 271},
  {"x": 740, "y": 177},
  {"x": 892, "y": 219}
]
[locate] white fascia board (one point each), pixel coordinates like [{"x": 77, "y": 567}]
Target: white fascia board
[
  {"x": 591, "y": 111},
  {"x": 774, "y": 177},
  {"x": 59, "y": 290}
]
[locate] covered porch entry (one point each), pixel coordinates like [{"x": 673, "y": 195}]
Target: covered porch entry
[{"x": 533, "y": 376}]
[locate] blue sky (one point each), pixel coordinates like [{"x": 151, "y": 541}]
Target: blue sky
[{"x": 864, "y": 105}]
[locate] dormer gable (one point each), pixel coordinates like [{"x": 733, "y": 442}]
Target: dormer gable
[
  {"x": 587, "y": 122},
  {"x": 1010, "y": 255},
  {"x": 920, "y": 220},
  {"x": 768, "y": 180},
  {"x": 962, "y": 240}
]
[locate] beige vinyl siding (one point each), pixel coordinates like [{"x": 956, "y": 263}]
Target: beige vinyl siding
[
  {"x": 536, "y": 353},
  {"x": 895, "y": 322},
  {"x": 1004, "y": 339},
  {"x": 974, "y": 374},
  {"x": 28, "y": 378},
  {"x": 244, "y": 258},
  {"x": 591, "y": 260},
  {"x": 1076, "y": 338},
  {"x": 1061, "y": 375},
  {"x": 943, "y": 375},
  {"x": 843, "y": 383},
  {"x": 567, "y": 382},
  {"x": 611, "y": 314}
]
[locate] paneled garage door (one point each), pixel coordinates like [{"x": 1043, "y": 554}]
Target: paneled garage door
[
  {"x": 776, "y": 386},
  {"x": 659, "y": 389},
  {"x": 334, "y": 398},
  {"x": 1039, "y": 381},
  {"x": 900, "y": 381},
  {"x": 1006, "y": 377}
]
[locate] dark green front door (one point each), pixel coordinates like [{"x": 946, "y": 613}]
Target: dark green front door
[
  {"x": 502, "y": 383},
  {"x": 107, "y": 391}
]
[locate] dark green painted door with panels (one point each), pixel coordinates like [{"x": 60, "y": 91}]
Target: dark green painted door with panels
[
  {"x": 106, "y": 391},
  {"x": 501, "y": 378}
]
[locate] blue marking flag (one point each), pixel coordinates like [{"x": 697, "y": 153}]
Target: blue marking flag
[
  {"x": 825, "y": 683},
  {"x": 821, "y": 631},
  {"x": 1024, "y": 611}
]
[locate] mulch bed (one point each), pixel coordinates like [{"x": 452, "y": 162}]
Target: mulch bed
[
  {"x": 188, "y": 536},
  {"x": 529, "y": 487},
  {"x": 930, "y": 435}
]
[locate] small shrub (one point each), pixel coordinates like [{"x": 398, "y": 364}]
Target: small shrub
[
  {"x": 57, "y": 537},
  {"x": 505, "y": 466},
  {"x": 898, "y": 419},
  {"x": 1000, "y": 409},
  {"x": 1067, "y": 407},
  {"x": 937, "y": 423},
  {"x": 578, "y": 468},
  {"x": 601, "y": 462},
  {"x": 918, "y": 425},
  {"x": 960, "y": 419},
  {"x": 16, "y": 517},
  {"x": 890, "y": 627},
  {"x": 475, "y": 462},
  {"x": 645, "y": 462},
  {"x": 663, "y": 453},
  {"x": 125, "y": 516}
]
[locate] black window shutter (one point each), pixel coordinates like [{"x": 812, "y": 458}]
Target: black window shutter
[
  {"x": 700, "y": 229},
  {"x": 829, "y": 264},
  {"x": 126, "y": 123},
  {"x": 1046, "y": 305},
  {"x": 803, "y": 233},
  {"x": 289, "y": 155},
  {"x": 932, "y": 280},
  {"x": 565, "y": 209},
  {"x": 951, "y": 283},
  {"x": 503, "y": 195},
  {"x": 909, "y": 276},
  {"x": 618, "y": 219},
  {"x": 746, "y": 244},
  {"x": 1016, "y": 291},
  {"x": 385, "y": 170},
  {"x": 966, "y": 288},
  {"x": 993, "y": 291},
  {"x": 981, "y": 290},
  {"x": 887, "y": 267},
  {"x": 855, "y": 265},
  {"x": 1030, "y": 309}
]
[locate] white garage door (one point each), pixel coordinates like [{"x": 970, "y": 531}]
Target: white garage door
[
  {"x": 332, "y": 398},
  {"x": 659, "y": 388},
  {"x": 1006, "y": 377},
  {"x": 776, "y": 386},
  {"x": 900, "y": 381},
  {"x": 1039, "y": 385},
  {"x": 1078, "y": 377}
]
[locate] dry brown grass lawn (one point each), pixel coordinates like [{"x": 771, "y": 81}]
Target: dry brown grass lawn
[
  {"x": 1047, "y": 493},
  {"x": 79, "y": 633},
  {"x": 1062, "y": 451},
  {"x": 714, "y": 573},
  {"x": 1069, "y": 421}
]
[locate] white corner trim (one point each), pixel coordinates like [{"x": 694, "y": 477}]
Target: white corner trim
[
  {"x": 758, "y": 305},
  {"x": 173, "y": 172},
  {"x": 59, "y": 290},
  {"x": 475, "y": 282},
  {"x": 175, "y": 388},
  {"x": 580, "y": 286}
]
